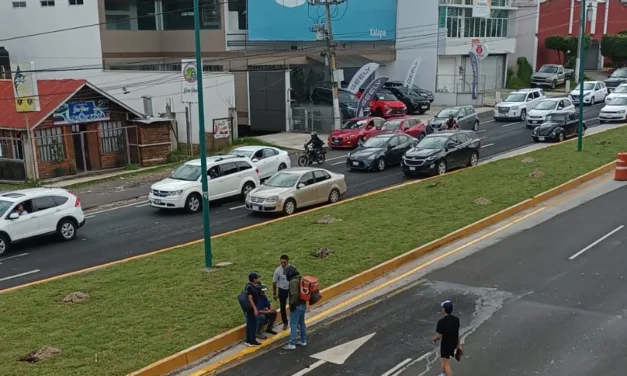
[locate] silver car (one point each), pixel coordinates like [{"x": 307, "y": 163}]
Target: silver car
[
  {"x": 294, "y": 188},
  {"x": 466, "y": 118}
]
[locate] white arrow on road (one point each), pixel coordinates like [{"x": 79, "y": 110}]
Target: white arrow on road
[{"x": 336, "y": 355}]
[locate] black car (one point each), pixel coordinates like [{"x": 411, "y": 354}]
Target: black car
[
  {"x": 618, "y": 77},
  {"x": 442, "y": 151},
  {"x": 411, "y": 99},
  {"x": 422, "y": 92},
  {"x": 379, "y": 151},
  {"x": 348, "y": 101},
  {"x": 558, "y": 126}
]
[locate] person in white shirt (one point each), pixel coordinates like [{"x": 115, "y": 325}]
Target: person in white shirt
[{"x": 279, "y": 280}]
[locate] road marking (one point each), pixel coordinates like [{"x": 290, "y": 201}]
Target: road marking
[
  {"x": 422, "y": 357},
  {"x": 90, "y": 216},
  {"x": 338, "y": 163},
  {"x": 19, "y": 275},
  {"x": 397, "y": 367},
  {"x": 617, "y": 229},
  {"x": 487, "y": 146},
  {"x": 510, "y": 124},
  {"x": 237, "y": 207},
  {"x": 115, "y": 208},
  {"x": 14, "y": 256},
  {"x": 334, "y": 158},
  {"x": 489, "y": 121},
  {"x": 142, "y": 205},
  {"x": 310, "y": 368}
]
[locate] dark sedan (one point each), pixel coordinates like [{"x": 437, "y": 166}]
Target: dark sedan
[
  {"x": 465, "y": 116},
  {"x": 380, "y": 151},
  {"x": 440, "y": 152},
  {"x": 411, "y": 99},
  {"x": 558, "y": 126}
]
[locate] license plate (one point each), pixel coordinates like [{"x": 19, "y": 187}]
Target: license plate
[
  {"x": 412, "y": 168},
  {"x": 256, "y": 207},
  {"x": 541, "y": 138},
  {"x": 424, "y": 106},
  {"x": 336, "y": 141},
  {"x": 355, "y": 163},
  {"x": 157, "y": 201}
]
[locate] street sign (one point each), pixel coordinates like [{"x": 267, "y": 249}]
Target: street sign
[
  {"x": 336, "y": 355},
  {"x": 481, "y": 50}
]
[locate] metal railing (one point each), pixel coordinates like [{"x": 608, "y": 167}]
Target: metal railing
[{"x": 311, "y": 118}]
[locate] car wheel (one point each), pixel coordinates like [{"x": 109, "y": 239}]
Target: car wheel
[
  {"x": 523, "y": 115},
  {"x": 381, "y": 164},
  {"x": 66, "y": 229},
  {"x": 442, "y": 167},
  {"x": 474, "y": 159},
  {"x": 282, "y": 166},
  {"x": 475, "y": 126},
  {"x": 561, "y": 137},
  {"x": 421, "y": 136},
  {"x": 4, "y": 244},
  {"x": 193, "y": 203},
  {"x": 334, "y": 196},
  {"x": 289, "y": 207},
  {"x": 248, "y": 186}
]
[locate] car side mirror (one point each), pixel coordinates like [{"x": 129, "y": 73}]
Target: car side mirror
[
  {"x": 414, "y": 143},
  {"x": 529, "y": 99},
  {"x": 14, "y": 216},
  {"x": 390, "y": 147},
  {"x": 300, "y": 185},
  {"x": 255, "y": 159}
]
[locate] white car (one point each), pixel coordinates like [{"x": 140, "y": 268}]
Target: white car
[
  {"x": 267, "y": 159},
  {"x": 620, "y": 91},
  {"x": 28, "y": 213},
  {"x": 538, "y": 114},
  {"x": 615, "y": 110},
  {"x": 229, "y": 175},
  {"x": 593, "y": 92},
  {"x": 518, "y": 104}
]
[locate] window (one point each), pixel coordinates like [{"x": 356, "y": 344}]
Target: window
[
  {"x": 59, "y": 200},
  {"x": 76, "y": 2},
  {"x": 403, "y": 139},
  {"x": 50, "y": 145},
  {"x": 47, "y": 3},
  {"x": 131, "y": 14},
  {"x": 321, "y": 175},
  {"x": 269, "y": 152},
  {"x": 412, "y": 122},
  {"x": 307, "y": 179},
  {"x": 228, "y": 168},
  {"x": 460, "y": 23},
  {"x": 462, "y": 137},
  {"x": 453, "y": 140},
  {"x": 536, "y": 95},
  {"x": 214, "y": 172},
  {"x": 393, "y": 142},
  {"x": 111, "y": 139},
  {"x": 239, "y": 6},
  {"x": 43, "y": 203},
  {"x": 179, "y": 14},
  {"x": 242, "y": 166},
  {"x": 19, "y": 4},
  {"x": 258, "y": 154}
]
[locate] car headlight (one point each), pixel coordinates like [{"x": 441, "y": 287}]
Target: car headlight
[
  {"x": 372, "y": 157},
  {"x": 535, "y": 130},
  {"x": 175, "y": 193},
  {"x": 272, "y": 199},
  {"x": 514, "y": 108},
  {"x": 554, "y": 131},
  {"x": 621, "y": 111},
  {"x": 431, "y": 158},
  {"x": 430, "y": 122}
]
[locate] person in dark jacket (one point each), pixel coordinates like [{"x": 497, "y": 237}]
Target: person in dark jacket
[
  {"x": 267, "y": 314},
  {"x": 252, "y": 313},
  {"x": 297, "y": 309},
  {"x": 316, "y": 142}
]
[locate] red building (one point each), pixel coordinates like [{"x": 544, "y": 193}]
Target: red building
[{"x": 561, "y": 17}]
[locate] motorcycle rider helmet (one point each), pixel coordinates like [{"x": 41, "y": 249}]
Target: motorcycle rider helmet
[{"x": 314, "y": 133}]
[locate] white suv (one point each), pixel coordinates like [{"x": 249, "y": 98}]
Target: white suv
[
  {"x": 518, "y": 104},
  {"x": 229, "y": 175},
  {"x": 28, "y": 213}
]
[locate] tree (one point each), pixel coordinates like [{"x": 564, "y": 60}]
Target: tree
[
  {"x": 614, "y": 46},
  {"x": 565, "y": 46}
]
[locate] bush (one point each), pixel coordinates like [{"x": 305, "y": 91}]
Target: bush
[
  {"x": 565, "y": 46},
  {"x": 615, "y": 47},
  {"x": 522, "y": 78},
  {"x": 571, "y": 63}
]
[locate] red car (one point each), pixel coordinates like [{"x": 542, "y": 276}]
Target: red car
[
  {"x": 352, "y": 131},
  {"x": 386, "y": 105},
  {"x": 408, "y": 125}
]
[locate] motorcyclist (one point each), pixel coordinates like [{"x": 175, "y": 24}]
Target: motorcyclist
[
  {"x": 450, "y": 124},
  {"x": 315, "y": 142}
]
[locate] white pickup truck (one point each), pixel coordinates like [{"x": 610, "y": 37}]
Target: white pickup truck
[{"x": 551, "y": 75}]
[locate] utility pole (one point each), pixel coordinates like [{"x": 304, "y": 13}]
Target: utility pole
[
  {"x": 582, "y": 33},
  {"x": 336, "y": 75},
  {"x": 201, "y": 141}
]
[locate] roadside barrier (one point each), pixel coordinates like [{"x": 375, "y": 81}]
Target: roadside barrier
[{"x": 620, "y": 173}]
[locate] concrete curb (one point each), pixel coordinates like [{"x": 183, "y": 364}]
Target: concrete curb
[{"x": 232, "y": 336}]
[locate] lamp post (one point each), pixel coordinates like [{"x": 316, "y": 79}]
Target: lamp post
[
  {"x": 201, "y": 140},
  {"x": 582, "y": 34}
]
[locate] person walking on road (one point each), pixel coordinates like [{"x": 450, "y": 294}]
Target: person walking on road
[
  {"x": 279, "y": 281},
  {"x": 447, "y": 332},
  {"x": 297, "y": 309},
  {"x": 252, "y": 312}
]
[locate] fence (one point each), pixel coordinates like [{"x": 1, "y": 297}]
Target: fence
[
  {"x": 12, "y": 165},
  {"x": 456, "y": 90},
  {"x": 312, "y": 118}
]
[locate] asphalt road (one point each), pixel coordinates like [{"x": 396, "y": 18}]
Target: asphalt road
[
  {"x": 549, "y": 300},
  {"x": 136, "y": 229}
]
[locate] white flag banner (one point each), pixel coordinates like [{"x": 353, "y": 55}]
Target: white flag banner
[
  {"x": 411, "y": 74},
  {"x": 481, "y": 8},
  {"x": 361, "y": 76}
]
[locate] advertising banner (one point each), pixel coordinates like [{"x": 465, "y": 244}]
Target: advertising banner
[
  {"x": 411, "y": 74},
  {"x": 369, "y": 93},
  {"x": 361, "y": 76},
  {"x": 25, "y": 89},
  {"x": 189, "y": 86},
  {"x": 221, "y": 128},
  {"x": 481, "y": 8},
  {"x": 475, "y": 73},
  {"x": 291, "y": 20},
  {"x": 81, "y": 112}
]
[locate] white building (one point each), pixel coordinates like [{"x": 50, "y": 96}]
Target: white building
[{"x": 63, "y": 38}]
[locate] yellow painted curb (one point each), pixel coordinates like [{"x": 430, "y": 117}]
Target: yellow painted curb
[{"x": 229, "y": 338}]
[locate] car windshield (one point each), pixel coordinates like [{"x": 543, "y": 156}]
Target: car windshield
[
  {"x": 353, "y": 124},
  {"x": 186, "y": 172},
  {"x": 515, "y": 97},
  {"x": 243, "y": 152},
  {"x": 391, "y": 125},
  {"x": 556, "y": 118},
  {"x": 376, "y": 142},
  {"x": 433, "y": 142},
  {"x": 385, "y": 96},
  {"x": 548, "y": 69},
  {"x": 282, "y": 180},
  {"x": 4, "y": 206},
  {"x": 621, "y": 89},
  {"x": 346, "y": 96},
  {"x": 447, "y": 112},
  {"x": 546, "y": 105},
  {"x": 618, "y": 101},
  {"x": 621, "y": 73},
  {"x": 586, "y": 86}
]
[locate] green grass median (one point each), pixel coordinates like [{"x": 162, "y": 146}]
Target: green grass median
[{"x": 144, "y": 310}]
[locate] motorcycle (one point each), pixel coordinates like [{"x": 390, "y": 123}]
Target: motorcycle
[{"x": 310, "y": 156}]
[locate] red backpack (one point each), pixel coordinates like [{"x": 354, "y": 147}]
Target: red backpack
[{"x": 308, "y": 285}]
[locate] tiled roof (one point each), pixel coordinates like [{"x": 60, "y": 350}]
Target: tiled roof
[{"x": 52, "y": 94}]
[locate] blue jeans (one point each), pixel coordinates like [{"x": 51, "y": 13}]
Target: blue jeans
[
  {"x": 297, "y": 321},
  {"x": 251, "y": 327}
]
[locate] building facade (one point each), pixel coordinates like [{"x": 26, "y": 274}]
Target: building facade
[{"x": 561, "y": 17}]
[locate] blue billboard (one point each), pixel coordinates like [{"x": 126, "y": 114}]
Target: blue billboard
[{"x": 291, "y": 20}]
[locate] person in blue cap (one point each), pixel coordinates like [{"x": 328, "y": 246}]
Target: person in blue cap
[
  {"x": 447, "y": 331},
  {"x": 252, "y": 312}
]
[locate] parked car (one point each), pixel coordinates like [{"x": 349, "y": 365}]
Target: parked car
[
  {"x": 440, "y": 152},
  {"x": 412, "y": 100},
  {"x": 551, "y": 75},
  {"x": 615, "y": 110},
  {"x": 620, "y": 91},
  {"x": 423, "y": 92},
  {"x": 558, "y": 126},
  {"x": 466, "y": 118},
  {"x": 616, "y": 79},
  {"x": 408, "y": 125},
  {"x": 348, "y": 101},
  {"x": 294, "y": 188},
  {"x": 546, "y": 106},
  {"x": 384, "y": 104},
  {"x": 267, "y": 159},
  {"x": 29, "y": 213},
  {"x": 379, "y": 151},
  {"x": 593, "y": 92},
  {"x": 352, "y": 131},
  {"x": 518, "y": 104},
  {"x": 229, "y": 175}
]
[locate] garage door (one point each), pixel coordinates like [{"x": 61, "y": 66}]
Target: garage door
[
  {"x": 267, "y": 100},
  {"x": 447, "y": 70},
  {"x": 491, "y": 71},
  {"x": 592, "y": 56}
]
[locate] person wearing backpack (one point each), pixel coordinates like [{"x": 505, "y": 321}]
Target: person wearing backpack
[
  {"x": 297, "y": 309},
  {"x": 248, "y": 300}
]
